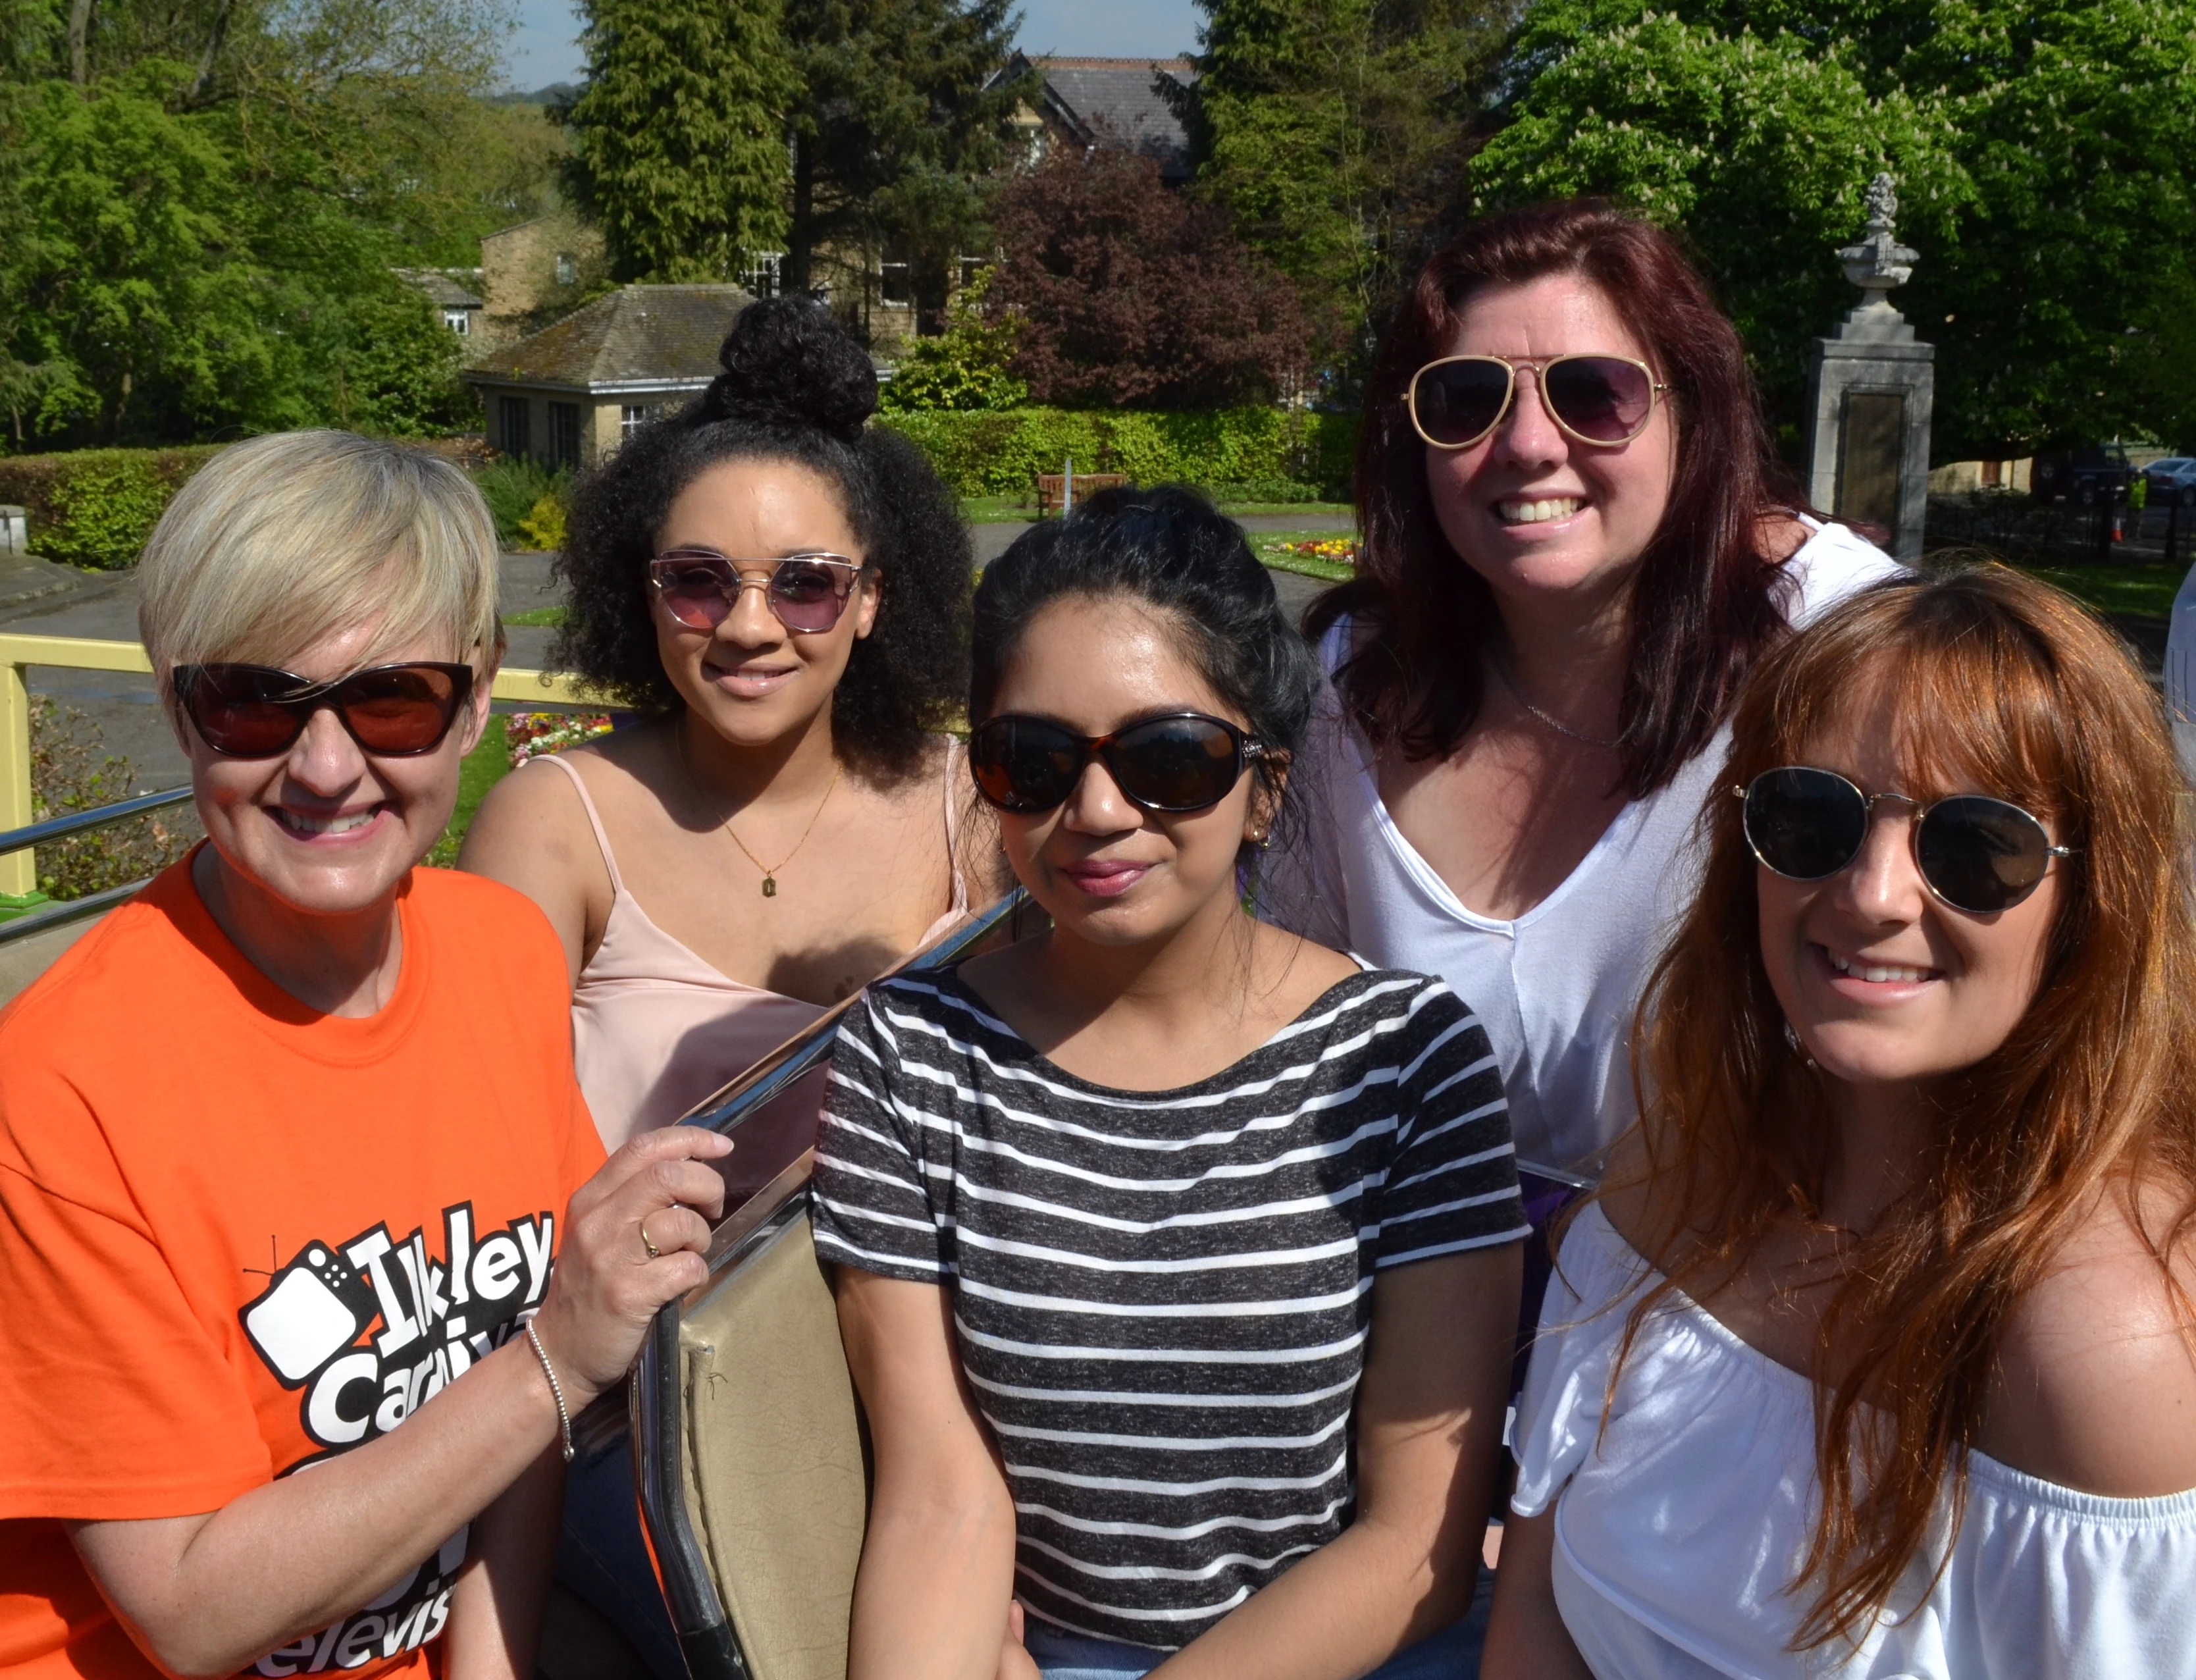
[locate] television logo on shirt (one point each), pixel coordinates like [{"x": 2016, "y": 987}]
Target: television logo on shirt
[
  {"x": 369, "y": 1330},
  {"x": 372, "y": 1328}
]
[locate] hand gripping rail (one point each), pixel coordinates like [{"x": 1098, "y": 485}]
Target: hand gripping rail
[{"x": 771, "y": 1112}]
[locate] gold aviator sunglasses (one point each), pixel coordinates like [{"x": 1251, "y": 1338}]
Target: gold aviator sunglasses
[{"x": 1603, "y": 401}]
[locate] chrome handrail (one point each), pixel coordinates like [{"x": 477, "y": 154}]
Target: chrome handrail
[
  {"x": 1569, "y": 1180},
  {"x": 704, "y": 1630},
  {"x": 78, "y": 822},
  {"x": 68, "y": 910}
]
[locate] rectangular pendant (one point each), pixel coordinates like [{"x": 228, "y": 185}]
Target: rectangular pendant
[{"x": 770, "y": 887}]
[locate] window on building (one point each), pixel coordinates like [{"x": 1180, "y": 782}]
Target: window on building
[
  {"x": 633, "y": 416},
  {"x": 970, "y": 266},
  {"x": 1993, "y": 475},
  {"x": 565, "y": 435},
  {"x": 568, "y": 270},
  {"x": 764, "y": 273},
  {"x": 514, "y": 425},
  {"x": 894, "y": 283},
  {"x": 460, "y": 321}
]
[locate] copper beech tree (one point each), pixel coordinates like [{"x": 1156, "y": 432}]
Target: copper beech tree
[{"x": 1131, "y": 294}]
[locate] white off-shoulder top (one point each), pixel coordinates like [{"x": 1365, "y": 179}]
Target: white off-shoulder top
[{"x": 1681, "y": 1525}]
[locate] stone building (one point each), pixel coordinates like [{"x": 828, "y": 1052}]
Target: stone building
[
  {"x": 1086, "y": 102},
  {"x": 534, "y": 272},
  {"x": 571, "y": 393},
  {"x": 455, "y": 293}
]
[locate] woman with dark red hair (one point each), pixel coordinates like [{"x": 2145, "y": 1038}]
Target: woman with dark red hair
[{"x": 1576, "y": 540}]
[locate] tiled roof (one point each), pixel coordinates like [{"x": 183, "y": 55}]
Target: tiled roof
[
  {"x": 1117, "y": 101},
  {"x": 441, "y": 288},
  {"x": 637, "y": 334}
]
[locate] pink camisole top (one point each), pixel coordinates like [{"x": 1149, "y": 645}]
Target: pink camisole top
[{"x": 655, "y": 1028}]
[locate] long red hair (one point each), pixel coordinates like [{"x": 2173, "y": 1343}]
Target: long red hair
[
  {"x": 1703, "y": 602},
  {"x": 2006, "y": 684}
]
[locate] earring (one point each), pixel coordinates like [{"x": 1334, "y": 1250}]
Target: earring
[{"x": 1798, "y": 1046}]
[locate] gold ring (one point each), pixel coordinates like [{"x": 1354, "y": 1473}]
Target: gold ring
[{"x": 654, "y": 1253}]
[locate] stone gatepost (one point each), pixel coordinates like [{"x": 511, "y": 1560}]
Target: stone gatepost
[{"x": 1868, "y": 393}]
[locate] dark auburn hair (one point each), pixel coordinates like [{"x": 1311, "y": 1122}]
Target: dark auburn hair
[
  {"x": 796, "y": 388},
  {"x": 2000, "y": 682},
  {"x": 1704, "y": 604},
  {"x": 1169, "y": 550}
]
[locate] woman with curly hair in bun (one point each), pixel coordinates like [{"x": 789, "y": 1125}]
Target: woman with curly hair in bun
[{"x": 786, "y": 591}]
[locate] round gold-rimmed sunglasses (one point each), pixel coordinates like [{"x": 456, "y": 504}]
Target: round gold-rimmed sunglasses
[{"x": 1603, "y": 401}]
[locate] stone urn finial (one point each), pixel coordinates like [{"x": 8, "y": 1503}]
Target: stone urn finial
[{"x": 1877, "y": 265}]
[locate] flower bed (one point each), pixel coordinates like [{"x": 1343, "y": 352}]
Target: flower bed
[{"x": 528, "y": 735}]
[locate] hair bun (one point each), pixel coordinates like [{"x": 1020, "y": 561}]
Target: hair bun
[{"x": 787, "y": 363}]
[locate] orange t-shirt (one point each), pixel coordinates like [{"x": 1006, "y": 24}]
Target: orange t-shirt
[{"x": 238, "y": 1235}]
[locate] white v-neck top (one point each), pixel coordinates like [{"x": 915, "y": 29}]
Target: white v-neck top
[
  {"x": 1681, "y": 1521},
  {"x": 1556, "y": 986}
]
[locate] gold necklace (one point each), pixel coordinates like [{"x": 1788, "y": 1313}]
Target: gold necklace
[{"x": 769, "y": 870}]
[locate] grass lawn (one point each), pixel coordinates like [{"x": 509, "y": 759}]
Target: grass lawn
[
  {"x": 540, "y": 616},
  {"x": 2146, "y": 591},
  {"x": 487, "y": 764}
]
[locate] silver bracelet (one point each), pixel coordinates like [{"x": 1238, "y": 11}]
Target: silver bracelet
[{"x": 555, "y": 1389}]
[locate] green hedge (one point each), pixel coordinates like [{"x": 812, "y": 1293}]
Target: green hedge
[
  {"x": 95, "y": 507},
  {"x": 1000, "y": 452}
]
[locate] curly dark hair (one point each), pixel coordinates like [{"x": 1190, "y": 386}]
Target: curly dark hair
[{"x": 795, "y": 387}]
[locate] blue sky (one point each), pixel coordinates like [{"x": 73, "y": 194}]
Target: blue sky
[{"x": 542, "y": 50}]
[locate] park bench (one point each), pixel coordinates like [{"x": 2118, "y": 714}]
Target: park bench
[{"x": 1052, "y": 488}]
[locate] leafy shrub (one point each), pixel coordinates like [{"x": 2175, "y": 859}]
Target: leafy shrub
[
  {"x": 515, "y": 487},
  {"x": 69, "y": 773},
  {"x": 1267, "y": 490},
  {"x": 104, "y": 515},
  {"x": 95, "y": 507},
  {"x": 966, "y": 366},
  {"x": 1001, "y": 452},
  {"x": 543, "y": 530}
]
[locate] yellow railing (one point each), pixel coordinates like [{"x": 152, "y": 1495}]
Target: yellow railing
[{"x": 18, "y": 875}]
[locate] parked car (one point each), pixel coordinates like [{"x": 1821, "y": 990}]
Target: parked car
[
  {"x": 2172, "y": 480},
  {"x": 2082, "y": 475}
]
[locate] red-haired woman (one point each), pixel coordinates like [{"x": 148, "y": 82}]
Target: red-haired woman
[
  {"x": 1874, "y": 1353},
  {"x": 1576, "y": 540}
]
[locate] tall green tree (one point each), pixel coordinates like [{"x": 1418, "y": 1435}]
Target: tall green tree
[
  {"x": 204, "y": 200},
  {"x": 678, "y": 136},
  {"x": 2046, "y": 156},
  {"x": 902, "y": 113},
  {"x": 1337, "y": 131}
]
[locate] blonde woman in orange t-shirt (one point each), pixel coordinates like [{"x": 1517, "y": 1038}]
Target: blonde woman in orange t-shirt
[{"x": 288, "y": 1142}]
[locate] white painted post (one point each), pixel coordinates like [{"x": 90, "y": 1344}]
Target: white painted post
[{"x": 1067, "y": 487}]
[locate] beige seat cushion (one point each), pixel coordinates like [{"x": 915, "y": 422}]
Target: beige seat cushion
[{"x": 778, "y": 1480}]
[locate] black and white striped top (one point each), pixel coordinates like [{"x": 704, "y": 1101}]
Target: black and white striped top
[{"x": 1161, "y": 1298}]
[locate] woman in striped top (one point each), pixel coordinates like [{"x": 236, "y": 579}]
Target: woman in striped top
[{"x": 1178, "y": 1257}]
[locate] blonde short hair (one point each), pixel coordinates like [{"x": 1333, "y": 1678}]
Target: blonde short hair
[{"x": 280, "y": 541}]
